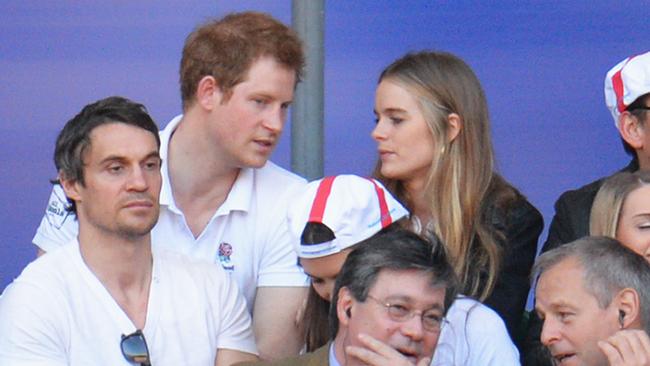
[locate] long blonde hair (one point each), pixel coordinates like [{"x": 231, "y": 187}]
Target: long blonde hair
[
  {"x": 461, "y": 178},
  {"x": 607, "y": 206}
]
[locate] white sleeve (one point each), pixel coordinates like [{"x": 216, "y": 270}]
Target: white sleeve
[
  {"x": 58, "y": 226},
  {"x": 279, "y": 262},
  {"x": 29, "y": 333},
  {"x": 229, "y": 306},
  {"x": 488, "y": 339}
]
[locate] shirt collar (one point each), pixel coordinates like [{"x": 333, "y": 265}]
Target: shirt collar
[
  {"x": 332, "y": 356},
  {"x": 240, "y": 196},
  {"x": 166, "y": 197}
]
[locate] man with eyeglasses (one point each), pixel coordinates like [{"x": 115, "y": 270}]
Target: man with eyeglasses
[
  {"x": 627, "y": 96},
  {"x": 108, "y": 297},
  {"x": 389, "y": 303}
]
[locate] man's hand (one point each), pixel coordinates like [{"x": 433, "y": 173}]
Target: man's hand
[
  {"x": 627, "y": 348},
  {"x": 377, "y": 353}
]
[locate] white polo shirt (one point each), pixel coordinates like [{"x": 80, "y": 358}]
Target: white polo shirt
[
  {"x": 474, "y": 335},
  {"x": 248, "y": 234},
  {"x": 58, "y": 313}
]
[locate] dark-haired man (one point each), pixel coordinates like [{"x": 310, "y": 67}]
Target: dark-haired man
[
  {"x": 107, "y": 298},
  {"x": 627, "y": 96},
  {"x": 221, "y": 200},
  {"x": 389, "y": 303},
  {"x": 593, "y": 296}
]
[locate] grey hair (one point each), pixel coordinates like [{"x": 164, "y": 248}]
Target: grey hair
[{"x": 608, "y": 267}]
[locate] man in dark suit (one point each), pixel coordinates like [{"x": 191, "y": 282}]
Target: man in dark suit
[
  {"x": 627, "y": 96},
  {"x": 389, "y": 303}
]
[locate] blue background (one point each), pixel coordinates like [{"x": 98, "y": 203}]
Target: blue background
[{"x": 542, "y": 65}]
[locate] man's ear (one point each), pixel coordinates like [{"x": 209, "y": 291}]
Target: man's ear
[
  {"x": 631, "y": 130},
  {"x": 626, "y": 304},
  {"x": 455, "y": 125},
  {"x": 208, "y": 93},
  {"x": 70, "y": 187},
  {"x": 344, "y": 306}
]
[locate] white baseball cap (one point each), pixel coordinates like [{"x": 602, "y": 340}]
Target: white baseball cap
[
  {"x": 354, "y": 208},
  {"x": 625, "y": 82}
]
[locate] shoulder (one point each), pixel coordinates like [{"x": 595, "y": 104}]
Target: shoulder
[
  {"x": 474, "y": 314},
  {"x": 317, "y": 358},
  {"x": 274, "y": 173},
  {"x": 506, "y": 207},
  {"x": 41, "y": 293},
  {"x": 477, "y": 335},
  {"x": 273, "y": 186},
  {"x": 584, "y": 196},
  {"x": 581, "y": 197}
]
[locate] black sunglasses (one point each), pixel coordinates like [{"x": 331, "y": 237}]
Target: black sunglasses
[{"x": 134, "y": 348}]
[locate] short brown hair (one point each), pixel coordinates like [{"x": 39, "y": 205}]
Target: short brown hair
[{"x": 226, "y": 48}]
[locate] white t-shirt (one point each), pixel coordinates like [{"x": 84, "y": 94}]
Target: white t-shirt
[
  {"x": 58, "y": 313},
  {"x": 248, "y": 234},
  {"x": 474, "y": 334}
]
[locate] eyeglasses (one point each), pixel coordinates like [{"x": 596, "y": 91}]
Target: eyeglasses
[
  {"x": 134, "y": 348},
  {"x": 431, "y": 319}
]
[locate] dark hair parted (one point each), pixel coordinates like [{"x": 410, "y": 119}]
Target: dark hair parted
[
  {"x": 74, "y": 138},
  {"x": 398, "y": 250},
  {"x": 607, "y": 266},
  {"x": 226, "y": 48}
]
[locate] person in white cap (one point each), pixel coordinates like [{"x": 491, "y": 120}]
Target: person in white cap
[
  {"x": 627, "y": 96},
  {"x": 334, "y": 216}
]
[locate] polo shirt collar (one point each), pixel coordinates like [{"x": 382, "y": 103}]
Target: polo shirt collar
[
  {"x": 166, "y": 197},
  {"x": 240, "y": 196}
]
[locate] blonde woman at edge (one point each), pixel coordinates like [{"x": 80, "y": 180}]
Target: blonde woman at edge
[
  {"x": 621, "y": 210},
  {"x": 436, "y": 157}
]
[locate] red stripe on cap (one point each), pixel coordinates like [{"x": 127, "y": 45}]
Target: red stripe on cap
[
  {"x": 619, "y": 89},
  {"x": 320, "y": 201},
  {"x": 383, "y": 206}
]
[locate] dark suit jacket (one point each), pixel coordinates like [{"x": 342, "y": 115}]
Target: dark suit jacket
[
  {"x": 319, "y": 357},
  {"x": 571, "y": 222},
  {"x": 572, "y": 212}
]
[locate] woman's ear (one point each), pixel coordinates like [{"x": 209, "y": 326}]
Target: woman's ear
[{"x": 455, "y": 125}]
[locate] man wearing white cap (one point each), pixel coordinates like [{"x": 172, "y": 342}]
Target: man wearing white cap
[
  {"x": 337, "y": 216},
  {"x": 627, "y": 89},
  {"x": 627, "y": 96}
]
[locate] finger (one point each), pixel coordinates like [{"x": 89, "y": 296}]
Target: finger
[
  {"x": 366, "y": 356},
  {"x": 624, "y": 342},
  {"x": 378, "y": 346},
  {"x": 611, "y": 353},
  {"x": 645, "y": 342}
]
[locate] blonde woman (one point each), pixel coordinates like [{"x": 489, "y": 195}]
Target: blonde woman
[
  {"x": 621, "y": 210},
  {"x": 436, "y": 157}
]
